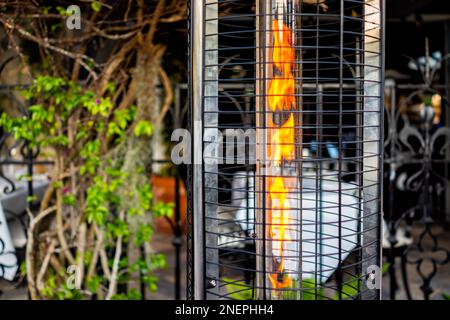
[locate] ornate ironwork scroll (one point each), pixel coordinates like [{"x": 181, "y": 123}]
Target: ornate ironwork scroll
[{"x": 416, "y": 158}]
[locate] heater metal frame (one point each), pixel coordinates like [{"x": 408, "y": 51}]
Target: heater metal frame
[
  {"x": 198, "y": 74},
  {"x": 203, "y": 244}
]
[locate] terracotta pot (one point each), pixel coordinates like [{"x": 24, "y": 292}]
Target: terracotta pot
[{"x": 164, "y": 191}]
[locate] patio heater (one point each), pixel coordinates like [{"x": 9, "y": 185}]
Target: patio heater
[{"x": 285, "y": 185}]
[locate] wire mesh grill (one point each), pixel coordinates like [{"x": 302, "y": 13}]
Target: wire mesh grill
[{"x": 287, "y": 110}]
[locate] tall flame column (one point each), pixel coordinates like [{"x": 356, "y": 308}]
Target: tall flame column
[{"x": 279, "y": 150}]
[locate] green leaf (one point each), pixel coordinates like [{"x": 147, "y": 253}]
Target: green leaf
[
  {"x": 158, "y": 261},
  {"x": 119, "y": 228},
  {"x": 133, "y": 294},
  {"x": 151, "y": 282},
  {"x": 144, "y": 234},
  {"x": 385, "y": 268},
  {"x": 69, "y": 200},
  {"x": 143, "y": 127},
  {"x": 162, "y": 209},
  {"x": 81, "y": 134},
  {"x": 31, "y": 198},
  {"x": 57, "y": 184},
  {"x": 93, "y": 283},
  {"x": 23, "y": 268},
  {"x": 111, "y": 87},
  {"x": 61, "y": 10},
  {"x": 96, "y": 6},
  {"x": 145, "y": 199}
]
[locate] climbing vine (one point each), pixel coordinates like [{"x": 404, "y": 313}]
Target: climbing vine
[
  {"x": 94, "y": 102},
  {"x": 89, "y": 201}
]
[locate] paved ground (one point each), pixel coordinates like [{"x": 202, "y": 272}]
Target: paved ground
[
  {"x": 11, "y": 292},
  {"x": 163, "y": 243}
]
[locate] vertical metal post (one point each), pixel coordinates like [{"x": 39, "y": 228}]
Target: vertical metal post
[
  {"x": 359, "y": 89},
  {"x": 373, "y": 142},
  {"x": 391, "y": 226},
  {"x": 447, "y": 112},
  {"x": 30, "y": 170},
  {"x": 205, "y": 116},
  {"x": 212, "y": 137},
  {"x": 261, "y": 141},
  {"x": 197, "y": 141},
  {"x": 339, "y": 273},
  {"x": 177, "y": 225},
  {"x": 30, "y": 159}
]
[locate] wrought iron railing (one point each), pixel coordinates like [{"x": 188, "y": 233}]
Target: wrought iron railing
[{"x": 416, "y": 186}]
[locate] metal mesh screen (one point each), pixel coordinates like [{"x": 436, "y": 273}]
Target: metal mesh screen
[{"x": 286, "y": 121}]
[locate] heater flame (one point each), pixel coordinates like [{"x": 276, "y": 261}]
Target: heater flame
[
  {"x": 279, "y": 231},
  {"x": 282, "y": 86},
  {"x": 281, "y": 99},
  {"x": 282, "y": 142}
]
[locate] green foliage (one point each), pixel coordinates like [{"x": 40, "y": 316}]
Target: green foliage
[
  {"x": 94, "y": 283},
  {"x": 48, "y": 120},
  {"x": 69, "y": 200},
  {"x": 350, "y": 289},
  {"x": 54, "y": 289},
  {"x": 162, "y": 209},
  {"x": 120, "y": 122},
  {"x": 143, "y": 127},
  {"x": 82, "y": 129},
  {"x": 133, "y": 294},
  {"x": 144, "y": 234},
  {"x": 23, "y": 268},
  {"x": 31, "y": 199},
  {"x": 97, "y": 202},
  {"x": 238, "y": 290},
  {"x": 385, "y": 268},
  {"x": 61, "y": 10},
  {"x": 96, "y": 6},
  {"x": 308, "y": 291},
  {"x": 146, "y": 269}
]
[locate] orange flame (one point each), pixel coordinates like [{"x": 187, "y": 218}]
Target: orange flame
[
  {"x": 282, "y": 88},
  {"x": 279, "y": 230},
  {"x": 283, "y": 49},
  {"x": 281, "y": 97},
  {"x": 282, "y": 142}
]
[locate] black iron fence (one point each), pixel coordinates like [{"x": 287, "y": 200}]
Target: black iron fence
[{"x": 416, "y": 185}]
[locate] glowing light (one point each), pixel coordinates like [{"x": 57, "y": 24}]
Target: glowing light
[{"x": 281, "y": 98}]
